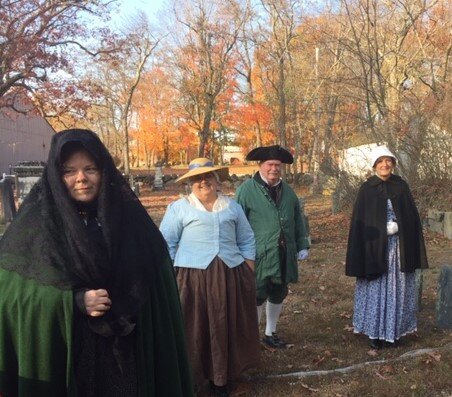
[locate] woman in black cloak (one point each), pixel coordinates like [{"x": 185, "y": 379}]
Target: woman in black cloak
[
  {"x": 89, "y": 304},
  {"x": 385, "y": 247}
]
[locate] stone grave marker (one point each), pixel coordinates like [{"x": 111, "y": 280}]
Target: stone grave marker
[
  {"x": 304, "y": 216},
  {"x": 7, "y": 200},
  {"x": 158, "y": 181},
  {"x": 27, "y": 174},
  {"x": 444, "y": 300}
]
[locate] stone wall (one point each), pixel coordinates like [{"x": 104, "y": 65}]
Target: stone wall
[{"x": 440, "y": 222}]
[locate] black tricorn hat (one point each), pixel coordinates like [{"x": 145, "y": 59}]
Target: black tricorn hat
[{"x": 275, "y": 152}]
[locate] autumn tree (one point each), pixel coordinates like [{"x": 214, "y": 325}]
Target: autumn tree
[
  {"x": 39, "y": 38},
  {"x": 249, "y": 106},
  {"x": 282, "y": 19},
  {"x": 118, "y": 76},
  {"x": 276, "y": 35},
  {"x": 315, "y": 83},
  {"x": 398, "y": 70},
  {"x": 204, "y": 58},
  {"x": 159, "y": 131}
]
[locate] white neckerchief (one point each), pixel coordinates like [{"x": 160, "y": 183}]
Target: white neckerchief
[
  {"x": 265, "y": 180},
  {"x": 220, "y": 204}
]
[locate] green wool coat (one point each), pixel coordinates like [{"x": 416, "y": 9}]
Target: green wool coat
[
  {"x": 36, "y": 332},
  {"x": 267, "y": 220}
]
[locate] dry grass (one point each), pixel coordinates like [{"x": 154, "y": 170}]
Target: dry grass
[{"x": 317, "y": 320}]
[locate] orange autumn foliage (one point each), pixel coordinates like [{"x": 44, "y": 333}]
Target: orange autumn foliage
[{"x": 159, "y": 132}]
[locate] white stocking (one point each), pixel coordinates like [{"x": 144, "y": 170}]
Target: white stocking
[{"x": 273, "y": 312}]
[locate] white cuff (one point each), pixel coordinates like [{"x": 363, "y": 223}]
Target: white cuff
[
  {"x": 392, "y": 228},
  {"x": 303, "y": 254}
]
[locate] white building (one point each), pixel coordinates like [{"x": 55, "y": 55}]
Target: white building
[
  {"x": 233, "y": 153},
  {"x": 356, "y": 160}
]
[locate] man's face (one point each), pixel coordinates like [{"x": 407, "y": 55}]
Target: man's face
[{"x": 271, "y": 171}]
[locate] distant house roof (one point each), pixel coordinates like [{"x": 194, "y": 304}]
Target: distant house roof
[{"x": 24, "y": 135}]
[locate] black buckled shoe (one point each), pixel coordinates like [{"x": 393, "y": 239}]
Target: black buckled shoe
[
  {"x": 274, "y": 342},
  {"x": 376, "y": 344},
  {"x": 219, "y": 391},
  {"x": 396, "y": 343}
]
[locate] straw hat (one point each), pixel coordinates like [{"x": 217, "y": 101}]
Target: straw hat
[
  {"x": 381, "y": 151},
  {"x": 203, "y": 165}
]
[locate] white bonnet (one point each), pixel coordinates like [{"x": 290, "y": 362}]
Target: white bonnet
[{"x": 381, "y": 151}]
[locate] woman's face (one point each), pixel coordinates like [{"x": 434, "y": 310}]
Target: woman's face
[
  {"x": 204, "y": 185},
  {"x": 384, "y": 167},
  {"x": 82, "y": 176}
]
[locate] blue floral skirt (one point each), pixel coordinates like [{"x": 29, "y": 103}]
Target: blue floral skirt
[{"x": 386, "y": 308}]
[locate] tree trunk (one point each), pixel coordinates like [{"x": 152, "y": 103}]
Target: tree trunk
[
  {"x": 125, "y": 145},
  {"x": 281, "y": 104},
  {"x": 205, "y": 131},
  {"x": 282, "y": 109}
]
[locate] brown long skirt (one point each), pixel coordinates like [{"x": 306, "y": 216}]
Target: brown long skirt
[{"x": 220, "y": 316}]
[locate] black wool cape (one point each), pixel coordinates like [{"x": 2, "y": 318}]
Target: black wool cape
[
  {"x": 367, "y": 241},
  {"x": 47, "y": 346}
]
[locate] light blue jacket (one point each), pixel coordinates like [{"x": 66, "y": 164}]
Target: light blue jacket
[{"x": 195, "y": 237}]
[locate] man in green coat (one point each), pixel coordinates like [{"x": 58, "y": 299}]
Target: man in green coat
[{"x": 281, "y": 233}]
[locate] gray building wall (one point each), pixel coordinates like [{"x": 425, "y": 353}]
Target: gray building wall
[{"x": 23, "y": 137}]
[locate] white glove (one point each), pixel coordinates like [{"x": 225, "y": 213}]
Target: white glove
[
  {"x": 303, "y": 254},
  {"x": 392, "y": 228}
]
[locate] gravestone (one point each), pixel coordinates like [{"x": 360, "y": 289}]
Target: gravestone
[
  {"x": 158, "y": 181},
  {"x": 304, "y": 217},
  {"x": 7, "y": 197},
  {"x": 440, "y": 222},
  {"x": 335, "y": 202},
  {"x": 27, "y": 174},
  {"x": 136, "y": 188},
  {"x": 444, "y": 300}
]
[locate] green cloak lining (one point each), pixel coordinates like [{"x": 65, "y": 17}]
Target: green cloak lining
[{"x": 36, "y": 340}]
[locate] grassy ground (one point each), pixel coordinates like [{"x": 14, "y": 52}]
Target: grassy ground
[{"x": 317, "y": 320}]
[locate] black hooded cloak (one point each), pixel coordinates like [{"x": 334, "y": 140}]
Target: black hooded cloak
[
  {"x": 139, "y": 343},
  {"x": 367, "y": 241}
]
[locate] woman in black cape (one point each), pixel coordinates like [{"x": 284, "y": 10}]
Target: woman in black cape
[
  {"x": 89, "y": 303},
  {"x": 385, "y": 247}
]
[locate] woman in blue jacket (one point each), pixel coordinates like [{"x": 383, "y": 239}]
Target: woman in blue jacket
[{"x": 213, "y": 249}]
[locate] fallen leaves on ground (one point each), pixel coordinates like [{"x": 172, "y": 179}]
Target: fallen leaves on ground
[
  {"x": 433, "y": 357},
  {"x": 318, "y": 360},
  {"x": 309, "y": 388}
]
